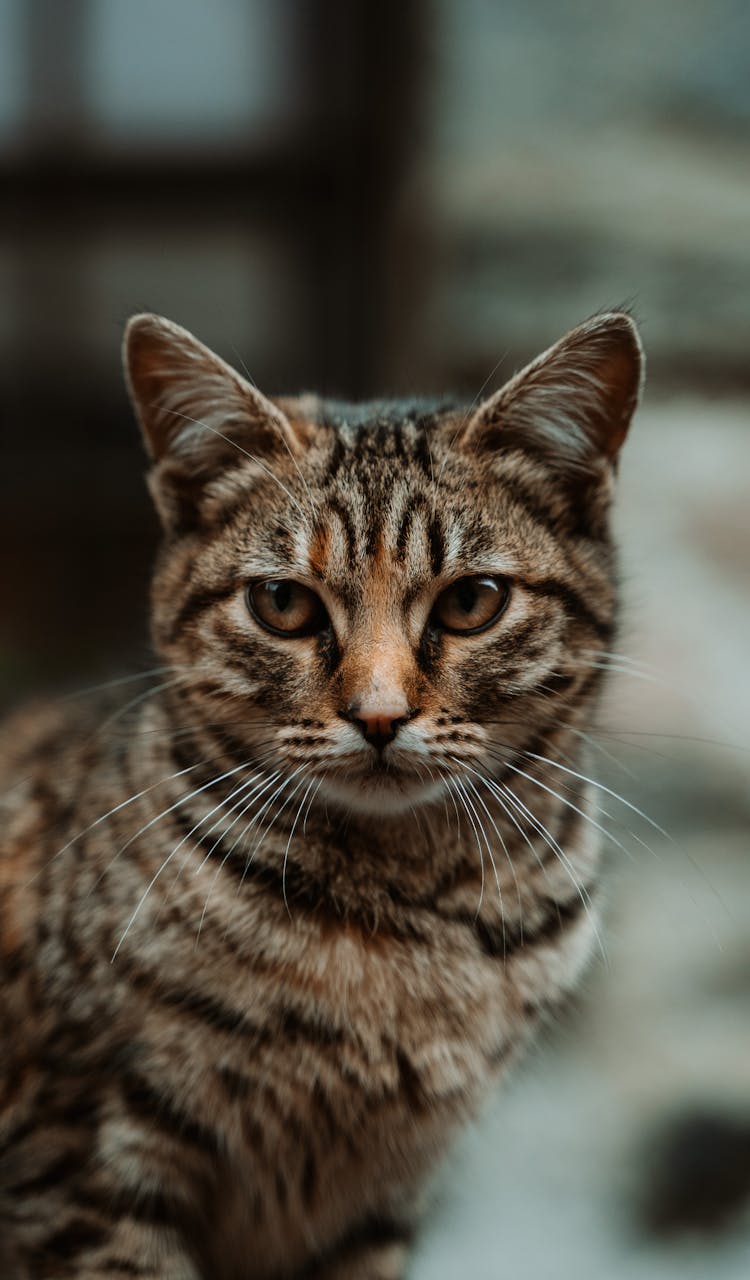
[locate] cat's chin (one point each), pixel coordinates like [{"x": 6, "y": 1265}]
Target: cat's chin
[{"x": 381, "y": 795}]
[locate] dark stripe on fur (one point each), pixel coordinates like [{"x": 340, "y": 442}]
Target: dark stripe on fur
[
  {"x": 373, "y": 1233},
  {"x": 203, "y": 1007},
  {"x": 503, "y": 943},
  {"x": 557, "y": 683},
  {"x": 435, "y": 537},
  {"x": 287, "y": 1023},
  {"x": 74, "y": 1239},
  {"x": 60, "y": 1173},
  {"x": 347, "y": 525},
  {"x": 146, "y": 1103},
  {"x": 121, "y": 1267},
  {"x": 197, "y": 603},
  {"x": 148, "y": 1207},
  {"x": 576, "y": 607}
]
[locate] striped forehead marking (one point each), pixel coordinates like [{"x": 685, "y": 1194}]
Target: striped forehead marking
[
  {"x": 410, "y": 531},
  {"x": 421, "y": 535}
]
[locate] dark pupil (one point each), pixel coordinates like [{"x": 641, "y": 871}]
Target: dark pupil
[
  {"x": 466, "y": 595},
  {"x": 281, "y": 595}
]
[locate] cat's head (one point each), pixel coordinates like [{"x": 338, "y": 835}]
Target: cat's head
[{"x": 373, "y": 598}]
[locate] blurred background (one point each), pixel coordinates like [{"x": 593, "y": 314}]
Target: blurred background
[{"x": 366, "y": 198}]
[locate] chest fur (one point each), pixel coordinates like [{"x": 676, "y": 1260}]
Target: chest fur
[{"x": 379, "y": 1049}]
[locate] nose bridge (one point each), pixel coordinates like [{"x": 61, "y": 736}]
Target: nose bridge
[
  {"x": 378, "y": 685},
  {"x": 378, "y": 678},
  {"x": 384, "y": 695}
]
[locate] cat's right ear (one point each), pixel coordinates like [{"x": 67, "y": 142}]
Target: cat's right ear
[
  {"x": 573, "y": 404},
  {"x": 197, "y": 414}
]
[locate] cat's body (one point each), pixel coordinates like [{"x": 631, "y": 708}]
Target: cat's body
[{"x": 268, "y": 936}]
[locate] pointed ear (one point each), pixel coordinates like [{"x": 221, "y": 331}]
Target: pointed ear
[
  {"x": 574, "y": 403},
  {"x": 197, "y": 414}
]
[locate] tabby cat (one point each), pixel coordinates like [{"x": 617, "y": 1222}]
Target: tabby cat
[{"x": 270, "y": 932}]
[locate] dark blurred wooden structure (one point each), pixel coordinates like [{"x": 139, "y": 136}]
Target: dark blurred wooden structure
[{"x": 76, "y": 530}]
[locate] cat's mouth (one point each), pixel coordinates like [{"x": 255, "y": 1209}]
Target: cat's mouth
[{"x": 378, "y": 785}]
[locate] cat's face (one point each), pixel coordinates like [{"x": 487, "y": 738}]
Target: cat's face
[{"x": 369, "y": 600}]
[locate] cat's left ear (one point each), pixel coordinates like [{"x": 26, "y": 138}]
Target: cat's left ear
[
  {"x": 574, "y": 403},
  {"x": 197, "y": 414}
]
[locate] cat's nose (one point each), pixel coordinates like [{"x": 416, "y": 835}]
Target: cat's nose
[{"x": 378, "y": 727}]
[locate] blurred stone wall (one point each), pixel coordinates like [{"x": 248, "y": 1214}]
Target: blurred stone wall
[{"x": 575, "y": 157}]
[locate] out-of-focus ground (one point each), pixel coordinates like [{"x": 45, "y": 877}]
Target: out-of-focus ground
[{"x": 558, "y": 1179}]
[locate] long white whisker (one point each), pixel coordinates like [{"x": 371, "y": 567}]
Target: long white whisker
[
  {"x": 245, "y": 801},
  {"x": 564, "y": 800},
  {"x": 465, "y": 784},
  {"x": 620, "y": 666},
  {"x": 505, "y": 805},
  {"x": 643, "y": 843},
  {"x": 468, "y": 412},
  {"x": 500, "y": 790},
  {"x": 115, "y": 809},
  {"x": 256, "y": 818},
  {"x": 454, "y": 783},
  {"x": 281, "y": 433},
  {"x": 628, "y": 853},
  {"x": 147, "y": 826},
  {"x": 111, "y": 684},
  {"x": 274, "y": 819},
  {"x": 497, "y": 795},
  {"x": 604, "y": 654},
  {"x": 601, "y": 787},
  {"x": 272, "y": 782},
  {"x": 591, "y": 741},
  {"x": 279, "y": 791},
  {"x": 242, "y": 792},
  {"x": 309, "y": 807},
  {"x": 198, "y": 824},
  {"x": 267, "y": 471},
  {"x": 292, "y": 829},
  {"x": 257, "y": 792},
  {"x": 243, "y": 804},
  {"x": 621, "y": 734},
  {"x": 480, "y": 800},
  {"x": 135, "y": 702},
  {"x": 546, "y": 834},
  {"x": 562, "y": 857}
]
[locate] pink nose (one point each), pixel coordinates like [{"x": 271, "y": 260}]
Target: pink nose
[{"x": 377, "y": 727}]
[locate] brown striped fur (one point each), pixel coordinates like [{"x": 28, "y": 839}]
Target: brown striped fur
[{"x": 255, "y": 973}]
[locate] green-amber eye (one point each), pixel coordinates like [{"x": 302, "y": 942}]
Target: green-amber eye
[
  {"x": 471, "y": 604},
  {"x": 286, "y": 608}
]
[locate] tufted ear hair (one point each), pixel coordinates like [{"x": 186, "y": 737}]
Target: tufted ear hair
[
  {"x": 197, "y": 414},
  {"x": 573, "y": 404}
]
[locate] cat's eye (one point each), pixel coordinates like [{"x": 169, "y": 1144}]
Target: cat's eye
[
  {"x": 287, "y": 608},
  {"x": 470, "y": 605}
]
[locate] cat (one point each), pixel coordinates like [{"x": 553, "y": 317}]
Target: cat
[{"x": 269, "y": 933}]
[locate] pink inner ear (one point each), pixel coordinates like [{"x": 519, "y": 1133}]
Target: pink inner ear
[
  {"x": 176, "y": 384},
  {"x": 168, "y": 373},
  {"x": 623, "y": 389},
  {"x": 574, "y": 402},
  {"x": 150, "y": 377}
]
